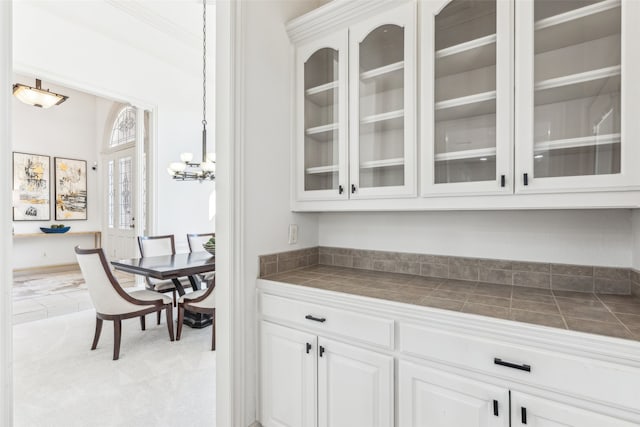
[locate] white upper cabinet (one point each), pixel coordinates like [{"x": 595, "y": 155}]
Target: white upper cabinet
[
  {"x": 577, "y": 95},
  {"x": 467, "y": 96},
  {"x": 355, "y": 103},
  {"x": 382, "y": 54},
  {"x": 322, "y": 168}
]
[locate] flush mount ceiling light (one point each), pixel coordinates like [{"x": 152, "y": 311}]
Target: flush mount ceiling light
[
  {"x": 37, "y": 96},
  {"x": 186, "y": 169}
]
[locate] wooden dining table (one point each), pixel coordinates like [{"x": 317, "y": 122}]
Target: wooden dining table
[{"x": 173, "y": 267}]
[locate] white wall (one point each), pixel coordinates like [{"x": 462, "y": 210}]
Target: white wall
[
  {"x": 267, "y": 125},
  {"x": 67, "y": 130},
  {"x": 572, "y": 236},
  {"x": 56, "y": 43},
  {"x": 635, "y": 220}
]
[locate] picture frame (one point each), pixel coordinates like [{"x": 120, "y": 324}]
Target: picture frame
[
  {"x": 31, "y": 187},
  {"x": 70, "y": 189}
]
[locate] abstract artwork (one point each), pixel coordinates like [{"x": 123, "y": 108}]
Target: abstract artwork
[
  {"x": 71, "y": 189},
  {"x": 31, "y": 175}
]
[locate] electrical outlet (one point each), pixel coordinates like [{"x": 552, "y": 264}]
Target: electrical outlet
[{"x": 293, "y": 234}]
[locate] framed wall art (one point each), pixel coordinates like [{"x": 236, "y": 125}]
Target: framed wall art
[
  {"x": 31, "y": 187},
  {"x": 71, "y": 189}
]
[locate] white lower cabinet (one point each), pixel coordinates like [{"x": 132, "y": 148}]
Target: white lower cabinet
[
  {"x": 534, "y": 411},
  {"x": 433, "y": 398},
  {"x": 313, "y": 381}
]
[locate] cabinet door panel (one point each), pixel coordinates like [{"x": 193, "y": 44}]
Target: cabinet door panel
[
  {"x": 382, "y": 88},
  {"x": 355, "y": 386},
  {"x": 575, "y": 119},
  {"x": 288, "y": 377},
  {"x": 467, "y": 97},
  {"x": 540, "y": 412},
  {"x": 322, "y": 121},
  {"x": 432, "y": 398}
]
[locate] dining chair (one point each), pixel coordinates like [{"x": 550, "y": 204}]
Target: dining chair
[
  {"x": 158, "y": 246},
  {"x": 195, "y": 242},
  {"x": 201, "y": 301},
  {"x": 114, "y": 303}
]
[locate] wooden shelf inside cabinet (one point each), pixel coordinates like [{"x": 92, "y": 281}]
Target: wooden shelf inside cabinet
[
  {"x": 602, "y": 19},
  {"x": 391, "y": 120},
  {"x": 466, "y": 56},
  {"x": 466, "y": 154},
  {"x": 466, "y": 106},
  {"x": 317, "y": 170},
  {"x": 322, "y": 133},
  {"x": 97, "y": 235},
  {"x": 587, "y": 141},
  {"x": 320, "y": 95},
  {"x": 399, "y": 161},
  {"x": 576, "y": 86},
  {"x": 382, "y": 79}
]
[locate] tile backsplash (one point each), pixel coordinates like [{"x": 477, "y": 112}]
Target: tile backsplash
[{"x": 578, "y": 278}]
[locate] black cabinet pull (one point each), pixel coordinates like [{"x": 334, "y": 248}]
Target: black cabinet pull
[
  {"x": 522, "y": 367},
  {"x": 308, "y": 348},
  {"x": 315, "y": 319},
  {"x": 340, "y": 189},
  {"x": 526, "y": 178},
  {"x": 495, "y": 407},
  {"x": 321, "y": 350},
  {"x": 353, "y": 188},
  {"x": 523, "y": 415},
  {"x": 503, "y": 181}
]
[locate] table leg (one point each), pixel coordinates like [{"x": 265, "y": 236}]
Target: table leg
[
  {"x": 194, "y": 283},
  {"x": 179, "y": 287}
]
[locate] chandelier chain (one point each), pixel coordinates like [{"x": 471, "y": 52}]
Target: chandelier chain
[{"x": 204, "y": 62}]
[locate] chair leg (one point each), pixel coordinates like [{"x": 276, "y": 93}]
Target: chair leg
[
  {"x": 213, "y": 330},
  {"x": 117, "y": 335},
  {"x": 159, "y": 316},
  {"x": 180, "y": 321},
  {"x": 142, "y": 323},
  {"x": 169, "y": 311},
  {"x": 96, "y": 336}
]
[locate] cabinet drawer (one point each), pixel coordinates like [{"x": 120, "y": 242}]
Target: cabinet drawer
[
  {"x": 578, "y": 376},
  {"x": 355, "y": 326}
]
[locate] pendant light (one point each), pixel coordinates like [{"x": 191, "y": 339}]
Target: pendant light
[
  {"x": 37, "y": 96},
  {"x": 186, "y": 169}
]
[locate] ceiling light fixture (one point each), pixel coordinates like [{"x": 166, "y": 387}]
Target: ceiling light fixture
[
  {"x": 37, "y": 96},
  {"x": 186, "y": 169}
]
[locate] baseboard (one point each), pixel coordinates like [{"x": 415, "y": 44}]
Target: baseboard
[
  {"x": 46, "y": 269},
  {"x": 255, "y": 424}
]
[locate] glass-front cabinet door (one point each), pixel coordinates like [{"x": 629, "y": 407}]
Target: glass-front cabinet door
[
  {"x": 467, "y": 96},
  {"x": 577, "y": 96},
  {"x": 322, "y": 122},
  {"x": 382, "y": 110}
]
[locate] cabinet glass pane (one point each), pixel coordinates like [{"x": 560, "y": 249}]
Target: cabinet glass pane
[
  {"x": 577, "y": 88},
  {"x": 382, "y": 108},
  {"x": 321, "y": 120},
  {"x": 465, "y": 92}
]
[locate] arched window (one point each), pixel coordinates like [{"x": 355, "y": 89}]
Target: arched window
[{"x": 124, "y": 128}]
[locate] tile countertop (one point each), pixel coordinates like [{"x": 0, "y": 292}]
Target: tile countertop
[{"x": 610, "y": 315}]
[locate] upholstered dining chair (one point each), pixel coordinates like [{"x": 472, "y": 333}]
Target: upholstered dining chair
[
  {"x": 200, "y": 301},
  {"x": 158, "y": 246},
  {"x": 114, "y": 303},
  {"x": 195, "y": 245}
]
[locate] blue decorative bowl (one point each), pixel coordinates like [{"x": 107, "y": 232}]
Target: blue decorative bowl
[{"x": 55, "y": 230}]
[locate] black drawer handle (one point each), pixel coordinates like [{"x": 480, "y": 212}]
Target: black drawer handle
[
  {"x": 525, "y": 178},
  {"x": 308, "y": 348},
  {"x": 315, "y": 319},
  {"x": 495, "y": 408},
  {"x": 340, "y": 189},
  {"x": 522, "y": 367},
  {"x": 503, "y": 181},
  {"x": 523, "y": 415},
  {"x": 321, "y": 351}
]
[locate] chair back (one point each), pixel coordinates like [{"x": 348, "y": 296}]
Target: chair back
[
  {"x": 156, "y": 245},
  {"x": 104, "y": 289},
  {"x": 197, "y": 240}
]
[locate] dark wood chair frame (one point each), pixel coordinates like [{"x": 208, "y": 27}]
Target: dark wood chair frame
[
  {"x": 198, "y": 235},
  {"x": 157, "y": 306},
  {"x": 186, "y": 305}
]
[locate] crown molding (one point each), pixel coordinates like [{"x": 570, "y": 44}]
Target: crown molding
[{"x": 335, "y": 15}]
